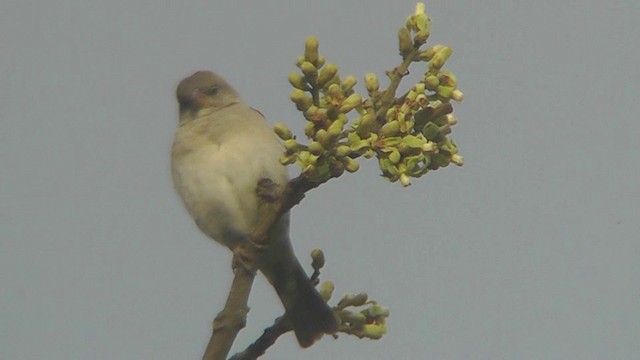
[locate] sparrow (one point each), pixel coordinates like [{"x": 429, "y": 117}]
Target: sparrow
[{"x": 221, "y": 150}]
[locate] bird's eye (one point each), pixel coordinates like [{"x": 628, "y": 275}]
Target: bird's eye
[{"x": 212, "y": 91}]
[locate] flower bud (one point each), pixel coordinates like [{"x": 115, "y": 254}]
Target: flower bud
[
  {"x": 317, "y": 259},
  {"x": 348, "y": 83},
  {"x": 282, "y": 131},
  {"x": 351, "y": 102},
  {"x": 311, "y": 49},
  {"x": 309, "y": 70},
  {"x": 404, "y": 41},
  {"x": 371, "y": 82},
  {"x": 297, "y": 80},
  {"x": 327, "y": 74}
]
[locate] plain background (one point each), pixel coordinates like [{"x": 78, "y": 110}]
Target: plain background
[{"x": 529, "y": 251}]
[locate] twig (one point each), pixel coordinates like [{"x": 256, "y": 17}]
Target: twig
[{"x": 276, "y": 200}]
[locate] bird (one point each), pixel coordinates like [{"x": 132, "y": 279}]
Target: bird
[{"x": 221, "y": 150}]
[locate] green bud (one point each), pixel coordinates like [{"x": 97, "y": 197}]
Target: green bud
[
  {"x": 348, "y": 83},
  {"x": 444, "y": 91},
  {"x": 430, "y": 131},
  {"x": 325, "y": 138},
  {"x": 291, "y": 145},
  {"x": 447, "y": 78},
  {"x": 351, "y": 102},
  {"x": 309, "y": 70},
  {"x": 326, "y": 74},
  {"x": 394, "y": 156},
  {"x": 354, "y": 319},
  {"x": 404, "y": 41},
  {"x": 390, "y": 129},
  {"x": 425, "y": 55},
  {"x": 297, "y": 80},
  {"x": 431, "y": 82},
  {"x": 320, "y": 62},
  {"x": 421, "y": 37},
  {"x": 282, "y": 131},
  {"x": 350, "y": 164},
  {"x": 353, "y": 300},
  {"x": 414, "y": 142},
  {"x": 309, "y": 129},
  {"x": 359, "y": 145},
  {"x": 316, "y": 148},
  {"x": 440, "y": 57},
  {"x": 457, "y": 159},
  {"x": 311, "y": 49},
  {"x": 343, "y": 150},
  {"x": 335, "y": 129},
  {"x": 326, "y": 290},
  {"x": 457, "y": 95},
  {"x": 371, "y": 82},
  {"x": 317, "y": 259},
  {"x": 300, "y": 98},
  {"x": 287, "y": 159},
  {"x": 404, "y": 180},
  {"x": 335, "y": 91}
]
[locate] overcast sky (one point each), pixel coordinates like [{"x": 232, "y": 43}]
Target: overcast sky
[{"x": 529, "y": 251}]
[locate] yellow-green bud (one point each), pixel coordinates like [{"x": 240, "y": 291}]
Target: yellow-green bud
[
  {"x": 343, "y": 150},
  {"x": 315, "y": 148},
  {"x": 309, "y": 129},
  {"x": 447, "y": 78},
  {"x": 425, "y": 55},
  {"x": 431, "y": 82},
  {"x": 317, "y": 259},
  {"x": 440, "y": 57},
  {"x": 300, "y": 98},
  {"x": 326, "y": 290},
  {"x": 371, "y": 82},
  {"x": 327, "y": 74},
  {"x": 349, "y": 82},
  {"x": 291, "y": 145},
  {"x": 404, "y": 180},
  {"x": 444, "y": 91},
  {"x": 419, "y": 88},
  {"x": 350, "y": 164},
  {"x": 287, "y": 159},
  {"x": 429, "y": 147},
  {"x": 335, "y": 91},
  {"x": 457, "y": 159},
  {"x": 299, "y": 60},
  {"x": 351, "y": 102},
  {"x": 394, "y": 156},
  {"x": 390, "y": 129},
  {"x": 356, "y": 320},
  {"x": 421, "y": 37},
  {"x": 325, "y": 138},
  {"x": 457, "y": 95},
  {"x": 311, "y": 49},
  {"x": 309, "y": 70},
  {"x": 282, "y": 131},
  {"x": 353, "y": 300},
  {"x": 404, "y": 41},
  {"x": 359, "y": 145},
  {"x": 297, "y": 80}
]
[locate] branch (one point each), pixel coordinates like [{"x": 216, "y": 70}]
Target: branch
[{"x": 276, "y": 200}]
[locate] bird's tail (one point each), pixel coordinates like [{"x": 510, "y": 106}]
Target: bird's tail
[{"x": 310, "y": 315}]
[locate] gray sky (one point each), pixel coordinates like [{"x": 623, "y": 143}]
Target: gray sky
[{"x": 529, "y": 251}]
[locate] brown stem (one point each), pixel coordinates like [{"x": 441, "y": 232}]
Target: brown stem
[{"x": 277, "y": 200}]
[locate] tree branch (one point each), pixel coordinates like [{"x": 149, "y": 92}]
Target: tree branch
[{"x": 276, "y": 200}]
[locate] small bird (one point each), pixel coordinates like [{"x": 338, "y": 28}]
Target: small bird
[{"x": 221, "y": 150}]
